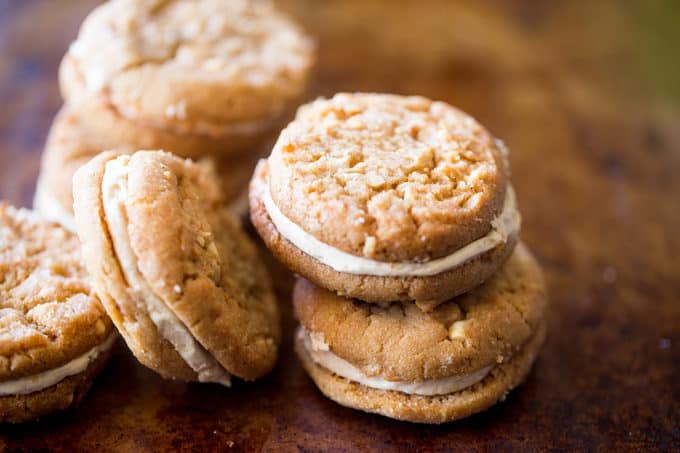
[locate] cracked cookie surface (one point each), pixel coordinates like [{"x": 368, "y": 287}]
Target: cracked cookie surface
[
  {"x": 387, "y": 177},
  {"x": 49, "y": 314},
  {"x": 190, "y": 254},
  {"x": 221, "y": 62},
  {"x": 486, "y": 326}
]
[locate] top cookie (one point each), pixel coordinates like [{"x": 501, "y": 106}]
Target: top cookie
[
  {"x": 387, "y": 177},
  {"x": 48, "y": 312},
  {"x": 191, "y": 65}
]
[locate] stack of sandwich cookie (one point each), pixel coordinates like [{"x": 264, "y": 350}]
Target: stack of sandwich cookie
[
  {"x": 202, "y": 79},
  {"x": 405, "y": 204},
  {"x": 174, "y": 270},
  {"x": 54, "y": 334}
]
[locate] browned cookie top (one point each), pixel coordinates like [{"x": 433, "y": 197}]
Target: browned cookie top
[
  {"x": 388, "y": 177},
  {"x": 193, "y": 65},
  {"x": 48, "y": 312},
  {"x": 400, "y": 342}
]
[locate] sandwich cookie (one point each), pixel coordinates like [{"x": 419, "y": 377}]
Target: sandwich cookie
[
  {"x": 71, "y": 144},
  {"x": 179, "y": 278},
  {"x": 387, "y": 198},
  {"x": 225, "y": 69},
  {"x": 398, "y": 361},
  {"x": 54, "y": 334}
]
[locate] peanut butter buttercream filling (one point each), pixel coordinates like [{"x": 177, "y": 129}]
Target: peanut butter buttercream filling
[
  {"x": 114, "y": 195},
  {"x": 321, "y": 354},
  {"x": 40, "y": 381},
  {"x": 503, "y": 226}
]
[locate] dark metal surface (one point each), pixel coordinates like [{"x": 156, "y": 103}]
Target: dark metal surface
[{"x": 587, "y": 96}]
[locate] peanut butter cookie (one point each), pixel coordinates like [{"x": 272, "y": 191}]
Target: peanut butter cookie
[
  {"x": 385, "y": 197},
  {"x": 213, "y": 67},
  {"x": 433, "y": 367},
  {"x": 54, "y": 334},
  {"x": 179, "y": 278}
]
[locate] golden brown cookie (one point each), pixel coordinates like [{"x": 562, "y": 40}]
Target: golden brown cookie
[
  {"x": 212, "y": 67},
  {"x": 385, "y": 197},
  {"x": 433, "y": 367},
  {"x": 54, "y": 334},
  {"x": 72, "y": 143},
  {"x": 179, "y": 278}
]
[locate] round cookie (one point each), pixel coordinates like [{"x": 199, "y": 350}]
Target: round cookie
[
  {"x": 54, "y": 334},
  {"x": 385, "y": 197},
  {"x": 434, "y": 367},
  {"x": 71, "y": 144},
  {"x": 179, "y": 278},
  {"x": 212, "y": 67}
]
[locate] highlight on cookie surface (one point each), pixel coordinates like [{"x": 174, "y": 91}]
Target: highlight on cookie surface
[
  {"x": 54, "y": 334},
  {"x": 176, "y": 273},
  {"x": 409, "y": 194},
  {"x": 434, "y": 367}
]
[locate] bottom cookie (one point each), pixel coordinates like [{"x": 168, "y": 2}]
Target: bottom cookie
[
  {"x": 426, "y": 409},
  {"x": 67, "y": 393}
]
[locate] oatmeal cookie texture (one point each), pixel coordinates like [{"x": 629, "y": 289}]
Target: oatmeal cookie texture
[
  {"x": 54, "y": 333},
  {"x": 455, "y": 360},
  {"x": 178, "y": 276},
  {"x": 388, "y": 177},
  {"x": 193, "y": 66}
]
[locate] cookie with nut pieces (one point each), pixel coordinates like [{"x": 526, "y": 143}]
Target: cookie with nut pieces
[
  {"x": 176, "y": 273},
  {"x": 387, "y": 198},
  {"x": 54, "y": 334},
  {"x": 396, "y": 360},
  {"x": 216, "y": 68}
]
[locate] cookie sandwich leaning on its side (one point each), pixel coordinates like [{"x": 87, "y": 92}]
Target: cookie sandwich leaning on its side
[{"x": 177, "y": 275}]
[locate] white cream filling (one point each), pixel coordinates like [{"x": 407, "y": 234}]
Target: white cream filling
[
  {"x": 50, "y": 208},
  {"x": 503, "y": 226},
  {"x": 40, "y": 381},
  {"x": 114, "y": 194},
  {"x": 320, "y": 353}
]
